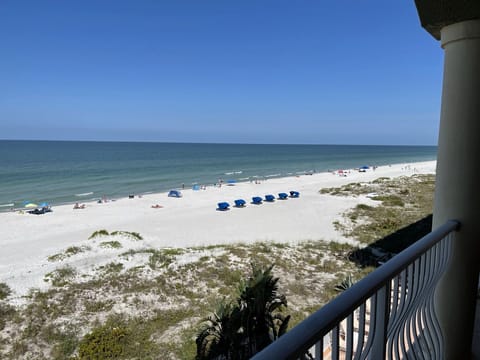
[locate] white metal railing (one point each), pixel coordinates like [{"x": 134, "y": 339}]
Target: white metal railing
[{"x": 389, "y": 314}]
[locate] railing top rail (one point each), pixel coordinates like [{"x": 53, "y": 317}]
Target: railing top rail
[{"x": 303, "y": 336}]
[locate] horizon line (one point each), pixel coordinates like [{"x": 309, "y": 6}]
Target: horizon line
[{"x": 213, "y": 143}]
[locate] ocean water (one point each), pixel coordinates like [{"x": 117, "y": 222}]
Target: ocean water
[{"x": 68, "y": 171}]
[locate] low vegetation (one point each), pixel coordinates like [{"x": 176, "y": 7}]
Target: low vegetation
[
  {"x": 111, "y": 244},
  {"x": 161, "y": 302},
  {"x": 70, "y": 251},
  {"x": 5, "y": 291},
  {"x": 129, "y": 234},
  {"x": 392, "y": 205},
  {"x": 60, "y": 276}
]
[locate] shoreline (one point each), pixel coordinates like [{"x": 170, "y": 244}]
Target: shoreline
[
  {"x": 190, "y": 221},
  {"x": 98, "y": 199}
]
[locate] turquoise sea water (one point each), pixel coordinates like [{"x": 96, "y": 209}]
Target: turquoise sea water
[{"x": 66, "y": 171}]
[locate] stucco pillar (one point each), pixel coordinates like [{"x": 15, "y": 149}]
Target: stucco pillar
[{"x": 457, "y": 193}]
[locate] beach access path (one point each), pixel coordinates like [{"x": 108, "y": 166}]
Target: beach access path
[{"x": 190, "y": 221}]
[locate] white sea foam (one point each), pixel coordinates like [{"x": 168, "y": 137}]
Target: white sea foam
[
  {"x": 84, "y": 194},
  {"x": 233, "y": 172},
  {"x": 6, "y": 205}
]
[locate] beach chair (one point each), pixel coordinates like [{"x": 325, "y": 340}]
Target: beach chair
[
  {"x": 222, "y": 206},
  {"x": 282, "y": 196},
  {"x": 269, "y": 198},
  {"x": 174, "y": 193},
  {"x": 294, "y": 194},
  {"x": 257, "y": 200},
  {"x": 240, "y": 203}
]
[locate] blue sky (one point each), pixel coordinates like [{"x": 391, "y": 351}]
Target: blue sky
[{"x": 250, "y": 71}]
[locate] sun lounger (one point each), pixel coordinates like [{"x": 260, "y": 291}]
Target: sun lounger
[
  {"x": 294, "y": 194},
  {"x": 240, "y": 203},
  {"x": 222, "y": 206},
  {"x": 257, "y": 200},
  {"x": 282, "y": 196},
  {"x": 269, "y": 198}
]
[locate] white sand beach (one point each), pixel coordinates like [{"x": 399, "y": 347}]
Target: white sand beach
[{"x": 28, "y": 240}]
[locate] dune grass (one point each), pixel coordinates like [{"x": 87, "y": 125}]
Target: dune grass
[
  {"x": 159, "y": 304},
  {"x": 399, "y": 202}
]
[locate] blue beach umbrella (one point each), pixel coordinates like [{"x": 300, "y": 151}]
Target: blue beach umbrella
[
  {"x": 44, "y": 204},
  {"x": 365, "y": 167}
]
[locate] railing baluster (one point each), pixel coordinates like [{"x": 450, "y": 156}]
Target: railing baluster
[
  {"x": 424, "y": 309},
  {"x": 335, "y": 343},
  {"x": 393, "y": 314},
  {"x": 396, "y": 326},
  {"x": 381, "y": 320},
  {"x": 411, "y": 322},
  {"x": 371, "y": 329},
  {"x": 361, "y": 331},
  {"x": 349, "y": 336},
  {"x": 319, "y": 349}
]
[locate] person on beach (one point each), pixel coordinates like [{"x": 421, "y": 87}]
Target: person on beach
[{"x": 78, "y": 206}]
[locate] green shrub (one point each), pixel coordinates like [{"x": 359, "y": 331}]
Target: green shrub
[
  {"x": 60, "y": 277},
  {"x": 131, "y": 234},
  {"x": 364, "y": 207},
  {"x": 72, "y": 250},
  {"x": 381, "y": 180},
  {"x": 104, "y": 342},
  {"x": 99, "y": 233},
  {"x": 159, "y": 260},
  {"x": 390, "y": 200},
  {"x": 112, "y": 268},
  {"x": 65, "y": 347},
  {"x": 6, "y": 313},
  {"x": 5, "y": 291},
  {"x": 111, "y": 244},
  {"x": 56, "y": 257},
  {"x": 98, "y": 306}
]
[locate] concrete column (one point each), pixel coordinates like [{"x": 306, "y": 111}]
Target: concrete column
[{"x": 457, "y": 193}]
